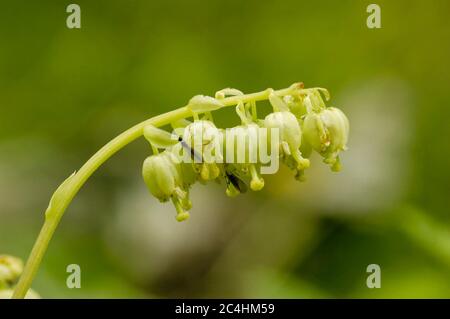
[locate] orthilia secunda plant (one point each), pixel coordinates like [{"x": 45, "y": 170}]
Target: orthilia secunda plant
[{"x": 198, "y": 151}]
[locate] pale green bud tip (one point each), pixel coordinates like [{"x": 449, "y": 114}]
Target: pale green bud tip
[
  {"x": 227, "y": 92},
  {"x": 202, "y": 103},
  {"x": 159, "y": 138}
]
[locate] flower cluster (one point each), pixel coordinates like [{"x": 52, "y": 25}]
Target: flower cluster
[
  {"x": 198, "y": 151},
  {"x": 10, "y": 270}
]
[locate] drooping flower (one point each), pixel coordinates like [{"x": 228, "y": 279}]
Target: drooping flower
[
  {"x": 203, "y": 139},
  {"x": 242, "y": 149},
  {"x": 167, "y": 178},
  {"x": 290, "y": 133},
  {"x": 245, "y": 142},
  {"x": 326, "y": 130}
]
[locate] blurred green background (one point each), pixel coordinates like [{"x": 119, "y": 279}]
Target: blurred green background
[{"x": 64, "y": 93}]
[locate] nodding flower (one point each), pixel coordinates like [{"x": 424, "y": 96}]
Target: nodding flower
[
  {"x": 326, "y": 130},
  {"x": 167, "y": 178},
  {"x": 202, "y": 137},
  {"x": 246, "y": 153},
  {"x": 290, "y": 133}
]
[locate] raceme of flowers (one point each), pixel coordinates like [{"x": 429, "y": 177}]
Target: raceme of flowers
[
  {"x": 198, "y": 151},
  {"x": 299, "y": 124}
]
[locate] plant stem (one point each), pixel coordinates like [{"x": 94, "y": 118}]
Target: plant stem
[{"x": 77, "y": 180}]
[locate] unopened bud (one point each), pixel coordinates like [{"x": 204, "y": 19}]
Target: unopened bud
[{"x": 202, "y": 104}]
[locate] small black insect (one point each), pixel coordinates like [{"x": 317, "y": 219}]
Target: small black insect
[{"x": 237, "y": 182}]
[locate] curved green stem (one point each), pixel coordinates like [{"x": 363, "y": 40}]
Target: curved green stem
[{"x": 69, "y": 188}]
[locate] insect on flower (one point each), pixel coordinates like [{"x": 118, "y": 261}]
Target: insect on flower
[{"x": 299, "y": 122}]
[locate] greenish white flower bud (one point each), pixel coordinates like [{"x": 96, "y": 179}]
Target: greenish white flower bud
[
  {"x": 327, "y": 132},
  {"x": 159, "y": 138},
  {"x": 167, "y": 178},
  {"x": 290, "y": 135},
  {"x": 227, "y": 92},
  {"x": 200, "y": 133},
  {"x": 161, "y": 175},
  {"x": 203, "y": 138},
  {"x": 10, "y": 270},
  {"x": 202, "y": 104},
  {"x": 242, "y": 144}
]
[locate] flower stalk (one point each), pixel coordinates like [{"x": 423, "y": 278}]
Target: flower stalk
[{"x": 70, "y": 187}]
